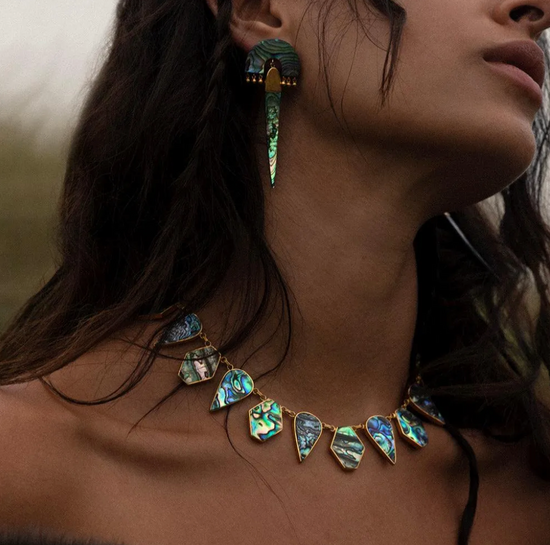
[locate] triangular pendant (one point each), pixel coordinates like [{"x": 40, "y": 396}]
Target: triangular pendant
[
  {"x": 411, "y": 428},
  {"x": 380, "y": 432},
  {"x": 265, "y": 419},
  {"x": 235, "y": 385},
  {"x": 182, "y": 330},
  {"x": 199, "y": 365},
  {"x": 347, "y": 447},
  {"x": 424, "y": 405},
  {"x": 307, "y": 430}
]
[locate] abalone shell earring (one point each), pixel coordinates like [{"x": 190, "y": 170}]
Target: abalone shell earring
[{"x": 273, "y": 63}]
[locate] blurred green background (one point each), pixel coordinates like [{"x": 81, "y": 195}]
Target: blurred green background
[
  {"x": 30, "y": 180},
  {"x": 50, "y": 52}
]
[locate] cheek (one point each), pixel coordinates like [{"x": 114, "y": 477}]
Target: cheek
[
  {"x": 471, "y": 129},
  {"x": 449, "y": 109},
  {"x": 342, "y": 73},
  {"x": 479, "y": 126}
]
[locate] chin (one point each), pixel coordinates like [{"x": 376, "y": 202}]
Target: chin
[
  {"x": 482, "y": 173},
  {"x": 497, "y": 154}
]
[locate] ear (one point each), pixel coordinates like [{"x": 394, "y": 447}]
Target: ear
[{"x": 256, "y": 20}]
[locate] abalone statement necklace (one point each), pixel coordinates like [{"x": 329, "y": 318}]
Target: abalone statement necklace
[{"x": 266, "y": 418}]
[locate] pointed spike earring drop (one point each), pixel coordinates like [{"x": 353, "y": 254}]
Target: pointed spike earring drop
[{"x": 273, "y": 63}]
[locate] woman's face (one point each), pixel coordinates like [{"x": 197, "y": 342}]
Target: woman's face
[{"x": 471, "y": 121}]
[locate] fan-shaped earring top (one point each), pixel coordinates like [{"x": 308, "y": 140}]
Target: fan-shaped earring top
[
  {"x": 276, "y": 49},
  {"x": 273, "y": 63}
]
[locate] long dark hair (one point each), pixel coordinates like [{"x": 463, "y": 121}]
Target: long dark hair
[{"x": 163, "y": 189}]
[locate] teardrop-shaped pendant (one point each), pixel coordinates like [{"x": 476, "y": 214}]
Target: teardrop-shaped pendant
[
  {"x": 307, "y": 431},
  {"x": 411, "y": 428},
  {"x": 265, "y": 419},
  {"x": 199, "y": 365},
  {"x": 235, "y": 385},
  {"x": 347, "y": 447},
  {"x": 424, "y": 405},
  {"x": 182, "y": 330},
  {"x": 380, "y": 432}
]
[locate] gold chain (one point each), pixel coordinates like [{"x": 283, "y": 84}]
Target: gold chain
[{"x": 292, "y": 414}]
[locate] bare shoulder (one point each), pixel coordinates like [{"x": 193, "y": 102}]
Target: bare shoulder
[
  {"x": 35, "y": 435},
  {"x": 31, "y": 424}
]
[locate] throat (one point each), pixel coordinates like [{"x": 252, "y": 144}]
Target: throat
[{"x": 350, "y": 344}]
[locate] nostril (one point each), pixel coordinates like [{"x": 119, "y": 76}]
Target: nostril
[{"x": 533, "y": 13}]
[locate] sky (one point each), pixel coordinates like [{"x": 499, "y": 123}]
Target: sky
[{"x": 49, "y": 51}]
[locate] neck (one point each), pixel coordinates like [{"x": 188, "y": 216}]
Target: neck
[{"x": 344, "y": 243}]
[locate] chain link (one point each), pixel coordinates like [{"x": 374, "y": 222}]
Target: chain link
[
  {"x": 325, "y": 425},
  {"x": 292, "y": 414},
  {"x": 204, "y": 338},
  {"x": 226, "y": 362},
  {"x": 328, "y": 427},
  {"x": 259, "y": 394}
]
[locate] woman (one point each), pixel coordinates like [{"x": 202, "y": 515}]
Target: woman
[{"x": 328, "y": 294}]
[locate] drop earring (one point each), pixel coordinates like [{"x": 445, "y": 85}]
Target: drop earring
[{"x": 273, "y": 63}]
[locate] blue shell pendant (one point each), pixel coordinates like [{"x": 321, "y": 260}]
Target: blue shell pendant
[
  {"x": 185, "y": 329},
  {"x": 424, "y": 405},
  {"x": 411, "y": 428},
  {"x": 307, "y": 431},
  {"x": 235, "y": 385},
  {"x": 380, "y": 432}
]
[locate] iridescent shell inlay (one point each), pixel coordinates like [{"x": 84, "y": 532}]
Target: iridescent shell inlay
[
  {"x": 266, "y": 420},
  {"x": 272, "y": 112},
  {"x": 380, "y": 432},
  {"x": 199, "y": 365},
  {"x": 424, "y": 405},
  {"x": 234, "y": 386},
  {"x": 182, "y": 330},
  {"x": 274, "y": 48},
  {"x": 307, "y": 430},
  {"x": 411, "y": 428},
  {"x": 347, "y": 447}
]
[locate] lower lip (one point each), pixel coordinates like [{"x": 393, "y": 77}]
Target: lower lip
[{"x": 521, "y": 78}]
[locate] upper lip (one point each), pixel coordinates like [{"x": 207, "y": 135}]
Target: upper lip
[{"x": 526, "y": 55}]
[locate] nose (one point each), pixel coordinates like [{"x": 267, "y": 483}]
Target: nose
[{"x": 533, "y": 17}]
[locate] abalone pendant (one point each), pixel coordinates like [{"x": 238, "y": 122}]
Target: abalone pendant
[
  {"x": 182, "y": 330},
  {"x": 272, "y": 112},
  {"x": 307, "y": 431},
  {"x": 235, "y": 385},
  {"x": 424, "y": 405},
  {"x": 265, "y": 419},
  {"x": 380, "y": 432},
  {"x": 347, "y": 447},
  {"x": 199, "y": 365},
  {"x": 411, "y": 428}
]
